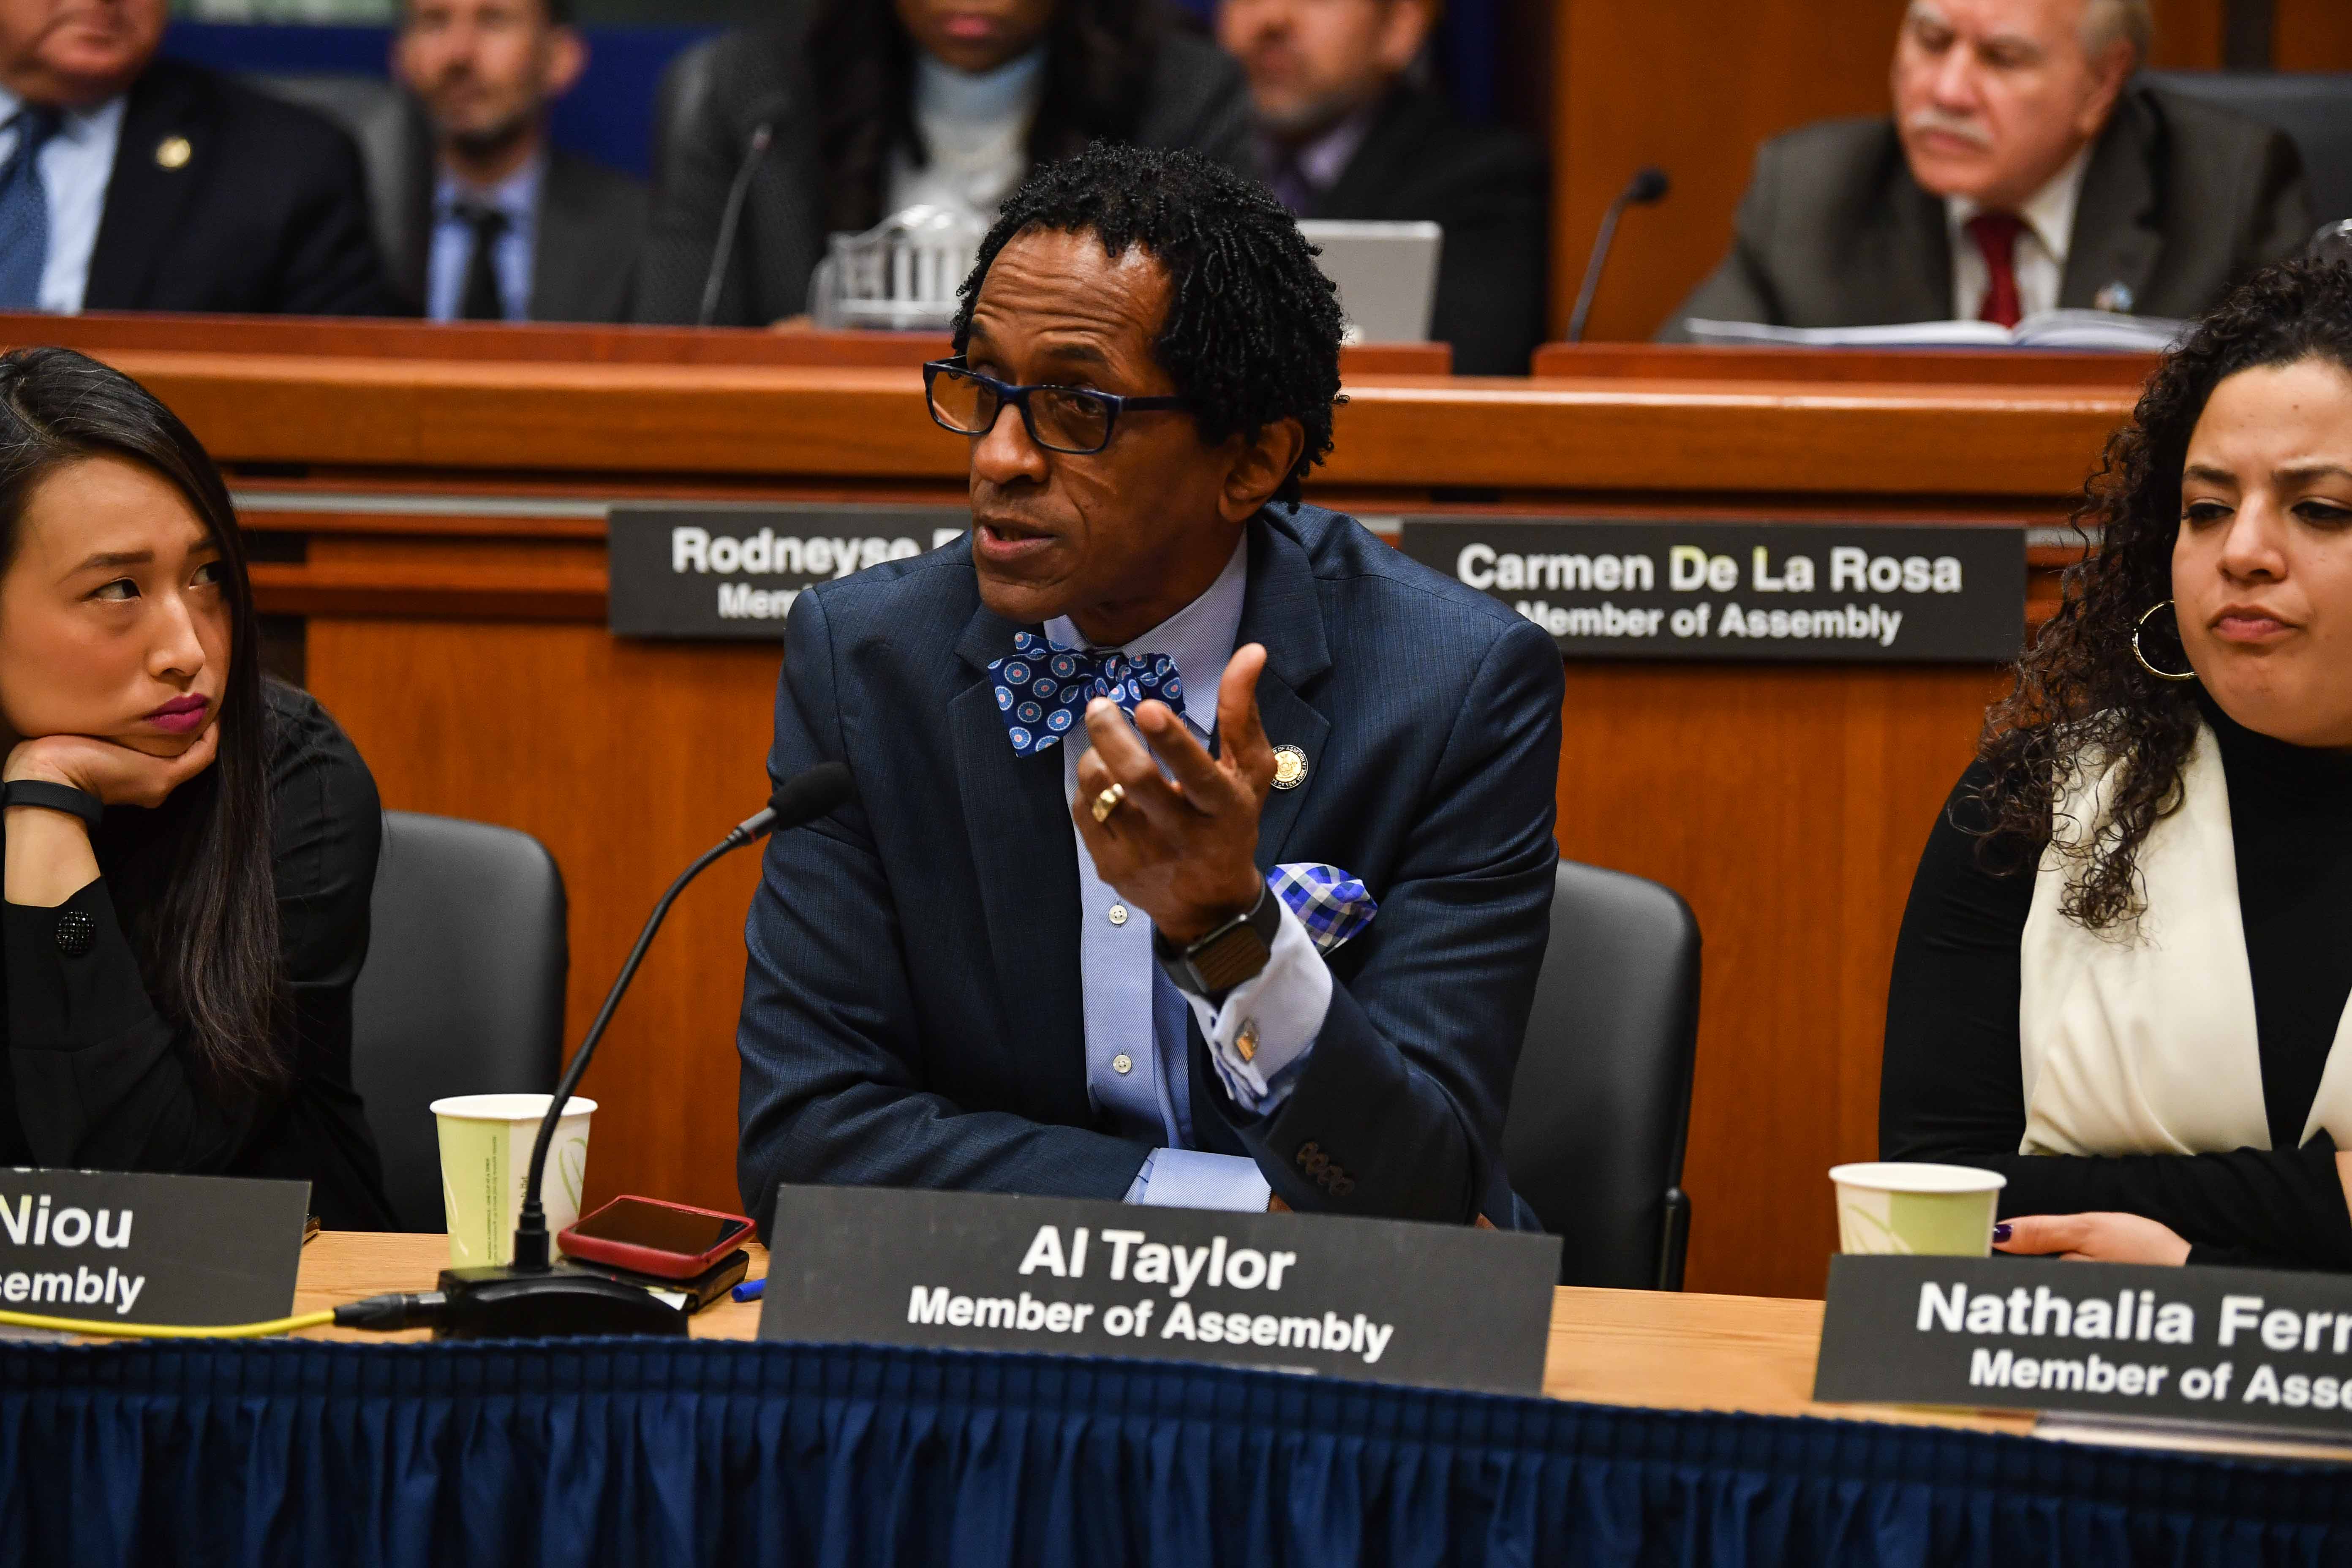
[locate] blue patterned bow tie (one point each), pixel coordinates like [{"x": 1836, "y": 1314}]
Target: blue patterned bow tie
[{"x": 1043, "y": 690}]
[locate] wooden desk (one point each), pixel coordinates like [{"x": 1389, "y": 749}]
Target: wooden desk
[
  {"x": 1608, "y": 1347},
  {"x": 431, "y": 539}
]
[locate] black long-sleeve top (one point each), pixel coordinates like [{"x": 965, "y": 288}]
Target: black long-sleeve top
[
  {"x": 97, "y": 1079},
  {"x": 1953, "y": 1088}
]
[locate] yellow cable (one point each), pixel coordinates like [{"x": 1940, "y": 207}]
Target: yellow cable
[{"x": 169, "y": 1331}]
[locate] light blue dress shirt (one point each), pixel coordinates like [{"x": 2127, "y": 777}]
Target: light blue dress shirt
[
  {"x": 1135, "y": 1016},
  {"x": 76, "y": 165},
  {"x": 453, "y": 241}
]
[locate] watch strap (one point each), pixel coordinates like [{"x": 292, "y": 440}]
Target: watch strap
[
  {"x": 53, "y": 797},
  {"x": 1232, "y": 954}
]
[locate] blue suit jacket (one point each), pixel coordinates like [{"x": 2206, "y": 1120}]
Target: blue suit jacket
[{"x": 912, "y": 1014}]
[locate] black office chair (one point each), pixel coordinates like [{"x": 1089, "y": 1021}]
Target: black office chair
[
  {"x": 1601, "y": 1106},
  {"x": 395, "y": 151},
  {"x": 463, "y": 990},
  {"x": 2312, "y": 108}
]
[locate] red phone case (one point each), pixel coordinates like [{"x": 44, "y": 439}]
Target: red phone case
[{"x": 646, "y": 1260}]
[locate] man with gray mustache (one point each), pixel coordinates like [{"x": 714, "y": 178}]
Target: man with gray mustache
[{"x": 2024, "y": 170}]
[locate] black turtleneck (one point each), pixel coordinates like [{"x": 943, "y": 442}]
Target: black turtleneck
[{"x": 1953, "y": 1087}]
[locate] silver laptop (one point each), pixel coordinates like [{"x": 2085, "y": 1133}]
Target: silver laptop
[{"x": 1386, "y": 273}]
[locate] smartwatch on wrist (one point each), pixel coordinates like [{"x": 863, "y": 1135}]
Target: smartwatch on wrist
[
  {"x": 1233, "y": 953},
  {"x": 53, "y": 797}
]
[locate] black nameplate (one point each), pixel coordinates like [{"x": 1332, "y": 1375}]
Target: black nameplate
[
  {"x": 2246, "y": 1347},
  {"x": 733, "y": 572},
  {"x": 1745, "y": 592},
  {"x": 127, "y": 1247},
  {"x": 1377, "y": 1301}
]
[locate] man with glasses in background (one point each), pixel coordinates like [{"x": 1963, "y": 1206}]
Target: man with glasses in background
[
  {"x": 1202, "y": 851},
  {"x": 1346, "y": 129}
]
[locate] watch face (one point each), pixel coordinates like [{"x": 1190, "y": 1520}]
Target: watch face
[{"x": 1230, "y": 958}]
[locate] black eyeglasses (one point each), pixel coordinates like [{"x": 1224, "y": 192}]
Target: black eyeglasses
[{"x": 1059, "y": 418}]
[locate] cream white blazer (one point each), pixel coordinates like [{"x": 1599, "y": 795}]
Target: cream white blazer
[{"x": 2143, "y": 1042}]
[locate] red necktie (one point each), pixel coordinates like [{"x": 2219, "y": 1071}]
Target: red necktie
[{"x": 1996, "y": 236}]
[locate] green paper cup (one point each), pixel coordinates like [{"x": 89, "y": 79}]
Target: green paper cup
[
  {"x": 486, "y": 1142},
  {"x": 1927, "y": 1210}
]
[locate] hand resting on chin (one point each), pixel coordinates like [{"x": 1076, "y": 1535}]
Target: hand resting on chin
[
  {"x": 131, "y": 771},
  {"x": 49, "y": 858}
]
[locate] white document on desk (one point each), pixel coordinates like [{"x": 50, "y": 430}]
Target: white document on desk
[{"x": 2102, "y": 330}]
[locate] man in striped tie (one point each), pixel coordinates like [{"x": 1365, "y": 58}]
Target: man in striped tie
[{"x": 132, "y": 182}]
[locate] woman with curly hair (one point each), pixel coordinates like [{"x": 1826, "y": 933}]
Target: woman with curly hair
[
  {"x": 860, "y": 109},
  {"x": 2123, "y": 973}
]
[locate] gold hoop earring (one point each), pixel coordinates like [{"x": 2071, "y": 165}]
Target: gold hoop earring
[{"x": 2159, "y": 674}]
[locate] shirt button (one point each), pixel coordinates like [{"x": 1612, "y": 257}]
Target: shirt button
[
  {"x": 75, "y": 930},
  {"x": 1118, "y": 917},
  {"x": 1122, "y": 1064}
]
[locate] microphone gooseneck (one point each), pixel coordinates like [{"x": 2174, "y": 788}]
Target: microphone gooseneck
[
  {"x": 1648, "y": 184},
  {"x": 802, "y": 798},
  {"x": 730, "y": 217}
]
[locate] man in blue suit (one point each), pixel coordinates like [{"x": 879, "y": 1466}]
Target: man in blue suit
[{"x": 1202, "y": 851}]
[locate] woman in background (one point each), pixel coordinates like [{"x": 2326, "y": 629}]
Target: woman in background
[
  {"x": 874, "y": 105},
  {"x": 2123, "y": 974},
  {"x": 189, "y": 848}
]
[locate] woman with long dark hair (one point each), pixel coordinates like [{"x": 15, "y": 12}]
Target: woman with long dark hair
[
  {"x": 2122, "y": 975},
  {"x": 189, "y": 847},
  {"x": 872, "y": 106}
]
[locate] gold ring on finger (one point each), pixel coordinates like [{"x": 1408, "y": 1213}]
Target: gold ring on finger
[{"x": 1109, "y": 802}]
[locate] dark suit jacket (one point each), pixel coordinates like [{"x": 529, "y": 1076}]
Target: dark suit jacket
[
  {"x": 1485, "y": 186},
  {"x": 584, "y": 259},
  {"x": 2180, "y": 201},
  {"x": 714, "y": 96},
  {"x": 268, "y": 214},
  {"x": 912, "y": 1008}
]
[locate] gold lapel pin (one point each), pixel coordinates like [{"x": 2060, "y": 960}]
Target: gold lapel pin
[
  {"x": 1289, "y": 767},
  {"x": 173, "y": 152}
]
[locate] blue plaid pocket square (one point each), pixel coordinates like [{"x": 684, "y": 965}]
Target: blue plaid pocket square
[{"x": 1332, "y": 905}]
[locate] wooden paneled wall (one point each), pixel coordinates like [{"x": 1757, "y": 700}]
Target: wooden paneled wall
[
  {"x": 438, "y": 524},
  {"x": 1695, "y": 86},
  {"x": 2312, "y": 35}
]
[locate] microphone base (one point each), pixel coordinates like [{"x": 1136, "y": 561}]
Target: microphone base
[{"x": 509, "y": 1303}]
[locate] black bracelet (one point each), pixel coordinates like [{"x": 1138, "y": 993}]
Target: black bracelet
[{"x": 53, "y": 797}]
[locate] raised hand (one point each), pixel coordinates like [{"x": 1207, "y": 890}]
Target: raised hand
[{"x": 1181, "y": 847}]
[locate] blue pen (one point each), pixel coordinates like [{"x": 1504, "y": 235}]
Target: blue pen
[{"x": 747, "y": 1292}]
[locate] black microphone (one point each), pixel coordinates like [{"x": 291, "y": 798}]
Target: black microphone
[
  {"x": 532, "y": 1295},
  {"x": 1648, "y": 184},
  {"x": 755, "y": 152}
]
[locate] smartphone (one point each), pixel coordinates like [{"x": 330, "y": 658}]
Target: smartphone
[{"x": 650, "y": 1237}]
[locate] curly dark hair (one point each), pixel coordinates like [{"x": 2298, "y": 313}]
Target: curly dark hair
[
  {"x": 1098, "y": 56},
  {"x": 1251, "y": 336},
  {"x": 2081, "y": 701}
]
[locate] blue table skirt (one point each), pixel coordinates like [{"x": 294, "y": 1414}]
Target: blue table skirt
[{"x": 713, "y": 1454}]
